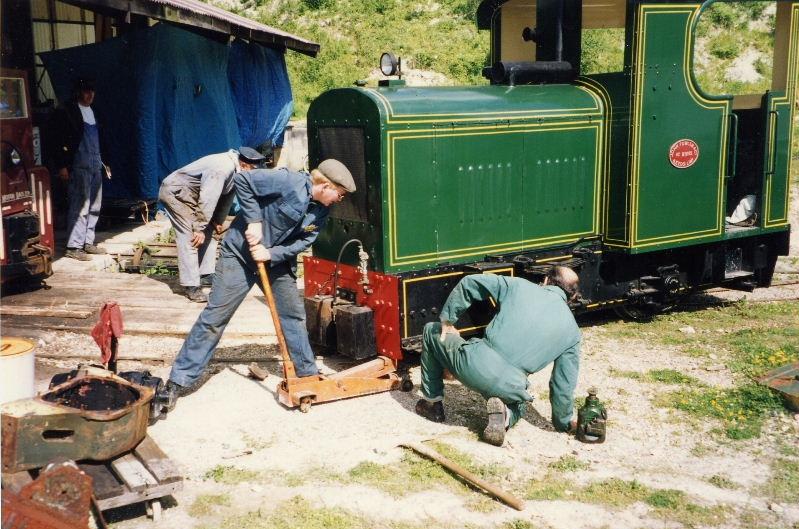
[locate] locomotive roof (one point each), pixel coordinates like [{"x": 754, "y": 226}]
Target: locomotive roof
[{"x": 497, "y": 101}]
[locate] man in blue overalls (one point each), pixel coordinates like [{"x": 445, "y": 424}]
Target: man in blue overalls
[
  {"x": 79, "y": 162},
  {"x": 281, "y": 215}
]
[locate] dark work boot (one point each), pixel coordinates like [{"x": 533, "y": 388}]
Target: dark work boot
[
  {"x": 433, "y": 411},
  {"x": 90, "y": 248},
  {"x": 494, "y": 432},
  {"x": 77, "y": 254},
  {"x": 196, "y": 294},
  {"x": 168, "y": 397}
]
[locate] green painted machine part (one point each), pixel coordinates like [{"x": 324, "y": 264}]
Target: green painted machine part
[{"x": 592, "y": 419}]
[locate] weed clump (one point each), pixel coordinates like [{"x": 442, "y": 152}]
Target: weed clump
[{"x": 230, "y": 475}]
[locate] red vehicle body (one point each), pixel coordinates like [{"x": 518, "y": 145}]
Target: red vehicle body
[{"x": 27, "y": 239}]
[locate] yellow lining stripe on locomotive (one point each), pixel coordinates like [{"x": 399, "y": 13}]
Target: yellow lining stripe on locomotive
[
  {"x": 691, "y": 11},
  {"x": 606, "y": 143},
  {"x": 436, "y": 276},
  {"x": 392, "y": 136}
]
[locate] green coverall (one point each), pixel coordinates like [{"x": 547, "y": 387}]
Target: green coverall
[{"x": 534, "y": 327}]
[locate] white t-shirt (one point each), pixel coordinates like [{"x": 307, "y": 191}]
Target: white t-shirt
[{"x": 88, "y": 114}]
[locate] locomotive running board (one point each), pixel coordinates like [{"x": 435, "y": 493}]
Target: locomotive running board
[{"x": 375, "y": 376}]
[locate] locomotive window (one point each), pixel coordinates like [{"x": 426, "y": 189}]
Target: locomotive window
[
  {"x": 734, "y": 48},
  {"x": 12, "y": 98},
  {"x": 602, "y": 51},
  {"x": 346, "y": 144}
]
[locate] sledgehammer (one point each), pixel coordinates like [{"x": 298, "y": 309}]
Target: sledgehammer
[{"x": 498, "y": 493}]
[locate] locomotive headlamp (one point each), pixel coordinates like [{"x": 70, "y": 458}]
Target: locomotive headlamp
[{"x": 389, "y": 64}]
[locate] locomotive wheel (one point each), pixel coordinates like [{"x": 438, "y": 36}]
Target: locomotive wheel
[
  {"x": 406, "y": 385},
  {"x": 305, "y": 404},
  {"x": 635, "y": 313},
  {"x": 641, "y": 313}
]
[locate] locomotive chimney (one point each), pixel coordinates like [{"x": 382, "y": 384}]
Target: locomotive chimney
[{"x": 557, "y": 37}]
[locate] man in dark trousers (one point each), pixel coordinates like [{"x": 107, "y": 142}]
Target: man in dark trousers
[
  {"x": 78, "y": 161},
  {"x": 281, "y": 215},
  {"x": 197, "y": 199},
  {"x": 533, "y": 328}
]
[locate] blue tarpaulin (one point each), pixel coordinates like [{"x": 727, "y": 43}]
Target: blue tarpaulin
[{"x": 166, "y": 96}]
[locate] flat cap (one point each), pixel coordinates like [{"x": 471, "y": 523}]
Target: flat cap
[
  {"x": 337, "y": 173},
  {"x": 250, "y": 155}
]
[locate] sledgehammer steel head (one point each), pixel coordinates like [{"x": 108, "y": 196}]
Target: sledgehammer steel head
[{"x": 257, "y": 373}]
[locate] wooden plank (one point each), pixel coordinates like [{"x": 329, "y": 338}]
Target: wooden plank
[
  {"x": 150, "y": 493},
  {"x": 104, "y": 483},
  {"x": 156, "y": 461},
  {"x": 133, "y": 473},
  {"x": 44, "y": 312}
]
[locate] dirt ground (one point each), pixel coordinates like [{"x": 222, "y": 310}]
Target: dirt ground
[
  {"x": 249, "y": 462},
  {"x": 242, "y": 452}
]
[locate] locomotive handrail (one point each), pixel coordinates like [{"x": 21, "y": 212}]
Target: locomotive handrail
[
  {"x": 734, "y": 118},
  {"x": 771, "y": 151}
]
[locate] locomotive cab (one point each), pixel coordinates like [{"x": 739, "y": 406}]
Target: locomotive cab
[{"x": 626, "y": 175}]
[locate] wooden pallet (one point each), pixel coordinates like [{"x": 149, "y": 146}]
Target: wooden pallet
[{"x": 145, "y": 474}]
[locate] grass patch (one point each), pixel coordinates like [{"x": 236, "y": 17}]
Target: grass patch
[
  {"x": 299, "y": 513},
  {"x": 664, "y": 376},
  {"x": 204, "y": 504},
  {"x": 673, "y": 505},
  {"x": 783, "y": 485},
  {"x": 750, "y": 338},
  {"x": 742, "y": 410},
  {"x": 671, "y": 376},
  {"x": 518, "y": 524},
  {"x": 722, "y": 482},
  {"x": 547, "y": 489},
  {"x": 418, "y": 474},
  {"x": 614, "y": 492},
  {"x": 230, "y": 475},
  {"x": 569, "y": 463}
]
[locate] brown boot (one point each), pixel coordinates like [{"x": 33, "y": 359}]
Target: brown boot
[{"x": 494, "y": 432}]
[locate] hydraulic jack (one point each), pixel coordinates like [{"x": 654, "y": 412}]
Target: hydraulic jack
[{"x": 374, "y": 376}]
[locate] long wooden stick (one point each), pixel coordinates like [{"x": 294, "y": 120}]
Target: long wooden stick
[
  {"x": 505, "y": 497},
  {"x": 288, "y": 365}
]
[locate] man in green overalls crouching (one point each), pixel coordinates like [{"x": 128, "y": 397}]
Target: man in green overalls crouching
[{"x": 533, "y": 328}]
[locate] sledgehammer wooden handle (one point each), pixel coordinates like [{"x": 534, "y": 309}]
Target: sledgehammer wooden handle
[
  {"x": 288, "y": 365},
  {"x": 508, "y": 499}
]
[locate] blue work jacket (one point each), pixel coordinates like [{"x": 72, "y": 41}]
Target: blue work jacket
[{"x": 281, "y": 200}]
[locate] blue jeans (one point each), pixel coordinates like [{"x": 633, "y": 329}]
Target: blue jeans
[
  {"x": 85, "y": 190},
  {"x": 232, "y": 281}
]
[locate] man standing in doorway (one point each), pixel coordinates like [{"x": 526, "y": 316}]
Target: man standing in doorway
[
  {"x": 197, "y": 199},
  {"x": 79, "y": 163}
]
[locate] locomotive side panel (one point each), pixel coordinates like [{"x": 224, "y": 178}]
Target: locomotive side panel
[
  {"x": 459, "y": 186},
  {"x": 679, "y": 137}
]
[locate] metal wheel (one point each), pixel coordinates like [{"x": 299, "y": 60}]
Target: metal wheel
[
  {"x": 635, "y": 313},
  {"x": 406, "y": 385},
  {"x": 305, "y": 404}
]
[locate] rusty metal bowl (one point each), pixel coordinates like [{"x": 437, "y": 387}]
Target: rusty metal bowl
[{"x": 94, "y": 416}]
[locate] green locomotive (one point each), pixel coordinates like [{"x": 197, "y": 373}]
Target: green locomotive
[{"x": 627, "y": 177}]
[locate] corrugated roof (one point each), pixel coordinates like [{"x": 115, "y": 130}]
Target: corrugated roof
[{"x": 199, "y": 14}]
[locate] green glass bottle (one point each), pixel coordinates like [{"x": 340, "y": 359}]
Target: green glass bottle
[{"x": 591, "y": 419}]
